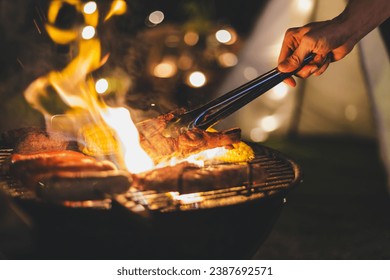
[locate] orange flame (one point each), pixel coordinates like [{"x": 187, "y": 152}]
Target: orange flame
[
  {"x": 75, "y": 87},
  {"x": 118, "y": 7}
]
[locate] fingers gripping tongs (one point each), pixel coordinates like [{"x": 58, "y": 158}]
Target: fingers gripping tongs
[{"x": 217, "y": 109}]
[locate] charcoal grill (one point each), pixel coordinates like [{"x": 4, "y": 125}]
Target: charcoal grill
[{"x": 228, "y": 223}]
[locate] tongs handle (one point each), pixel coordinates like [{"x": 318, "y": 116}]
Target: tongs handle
[{"x": 223, "y": 106}]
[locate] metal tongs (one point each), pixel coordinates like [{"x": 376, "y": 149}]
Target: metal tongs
[{"x": 217, "y": 109}]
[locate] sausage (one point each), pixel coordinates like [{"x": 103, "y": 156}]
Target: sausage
[
  {"x": 82, "y": 185},
  {"x": 31, "y": 169}
]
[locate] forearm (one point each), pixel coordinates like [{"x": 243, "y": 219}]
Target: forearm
[
  {"x": 330, "y": 40},
  {"x": 362, "y": 16}
]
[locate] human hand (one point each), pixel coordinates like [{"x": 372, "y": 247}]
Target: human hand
[{"x": 327, "y": 40}]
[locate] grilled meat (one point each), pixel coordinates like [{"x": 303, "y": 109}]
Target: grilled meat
[
  {"x": 160, "y": 147},
  {"x": 30, "y": 169}
]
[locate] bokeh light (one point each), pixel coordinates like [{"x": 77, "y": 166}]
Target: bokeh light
[
  {"x": 258, "y": 135},
  {"x": 191, "y": 38},
  {"x": 269, "y": 123},
  {"x": 227, "y": 59},
  {"x": 250, "y": 73},
  {"x": 223, "y": 36},
  {"x": 185, "y": 62},
  {"x": 279, "y": 92},
  {"x": 305, "y": 5},
  {"x": 165, "y": 69},
  {"x": 156, "y": 17},
  {"x": 101, "y": 86},
  {"x": 90, "y": 7},
  {"x": 197, "y": 79},
  {"x": 88, "y": 32}
]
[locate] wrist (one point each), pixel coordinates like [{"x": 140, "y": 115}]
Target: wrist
[{"x": 347, "y": 29}]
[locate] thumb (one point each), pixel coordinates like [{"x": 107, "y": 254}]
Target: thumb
[{"x": 293, "y": 61}]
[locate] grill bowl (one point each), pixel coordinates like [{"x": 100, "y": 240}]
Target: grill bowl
[{"x": 230, "y": 223}]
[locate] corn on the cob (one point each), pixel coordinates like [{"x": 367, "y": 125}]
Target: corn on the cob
[
  {"x": 241, "y": 152},
  {"x": 98, "y": 140}
]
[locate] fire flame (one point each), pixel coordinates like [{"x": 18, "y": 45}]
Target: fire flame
[
  {"x": 80, "y": 101},
  {"x": 76, "y": 87}
]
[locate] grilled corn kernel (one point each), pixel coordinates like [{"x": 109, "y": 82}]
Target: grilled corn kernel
[
  {"x": 241, "y": 152},
  {"x": 98, "y": 140}
]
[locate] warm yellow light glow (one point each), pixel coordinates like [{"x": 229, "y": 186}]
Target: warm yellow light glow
[
  {"x": 258, "y": 135},
  {"x": 189, "y": 198},
  {"x": 185, "y": 62},
  {"x": 278, "y": 92},
  {"x": 351, "y": 112},
  {"x": 305, "y": 5},
  {"x": 269, "y": 123},
  {"x": 165, "y": 69},
  {"x": 118, "y": 7},
  {"x": 223, "y": 36},
  {"x": 101, "y": 86},
  {"x": 191, "y": 38},
  {"x": 156, "y": 17},
  {"x": 250, "y": 73},
  {"x": 90, "y": 7},
  {"x": 197, "y": 79},
  {"x": 198, "y": 159},
  {"x": 233, "y": 36},
  {"x": 172, "y": 41},
  {"x": 88, "y": 32},
  {"x": 76, "y": 88},
  {"x": 136, "y": 159},
  {"x": 228, "y": 59}
]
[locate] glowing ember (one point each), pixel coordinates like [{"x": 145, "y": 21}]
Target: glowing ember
[{"x": 187, "y": 198}]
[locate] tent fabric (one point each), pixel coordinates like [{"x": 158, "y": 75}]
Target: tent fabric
[
  {"x": 376, "y": 65},
  {"x": 351, "y": 98}
]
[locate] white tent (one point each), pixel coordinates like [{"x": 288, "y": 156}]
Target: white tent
[{"x": 351, "y": 98}]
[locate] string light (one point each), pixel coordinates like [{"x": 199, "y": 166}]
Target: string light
[
  {"x": 269, "y": 123},
  {"x": 250, "y": 73},
  {"x": 227, "y": 59},
  {"x": 197, "y": 79},
  {"x": 156, "y": 17},
  {"x": 223, "y": 36},
  {"x": 90, "y": 7},
  {"x": 101, "y": 86},
  {"x": 88, "y": 32},
  {"x": 165, "y": 69},
  {"x": 191, "y": 38},
  {"x": 258, "y": 135},
  {"x": 185, "y": 62}
]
